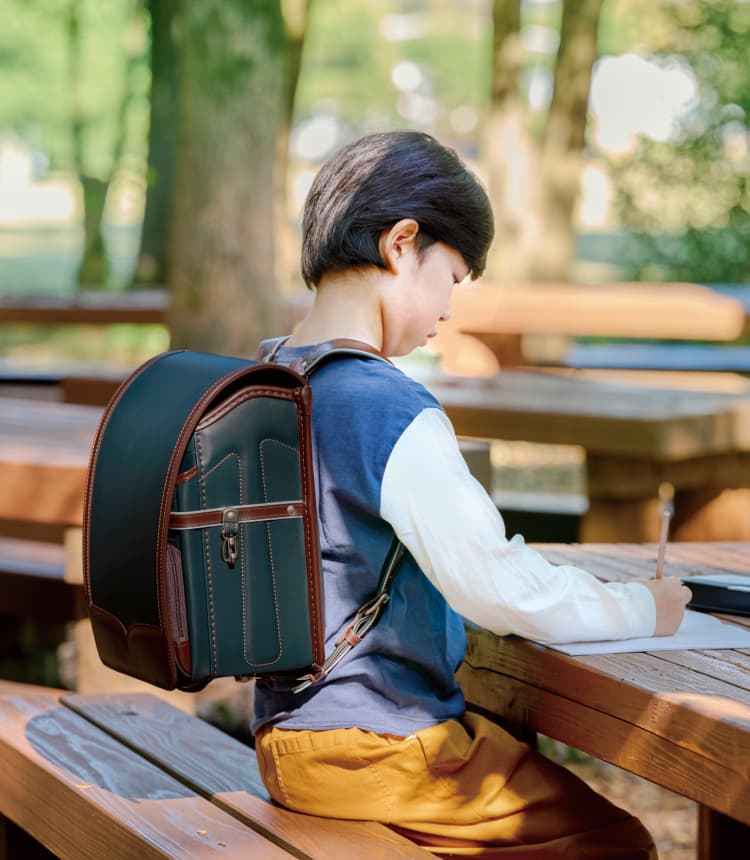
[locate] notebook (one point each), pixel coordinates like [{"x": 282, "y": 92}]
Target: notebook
[{"x": 720, "y": 592}]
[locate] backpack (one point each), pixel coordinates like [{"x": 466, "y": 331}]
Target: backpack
[{"x": 201, "y": 555}]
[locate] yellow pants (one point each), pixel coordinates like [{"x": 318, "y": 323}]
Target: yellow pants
[{"x": 459, "y": 789}]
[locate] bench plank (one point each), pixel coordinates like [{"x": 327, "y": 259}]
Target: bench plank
[
  {"x": 86, "y": 307},
  {"x": 224, "y": 770},
  {"x": 677, "y": 311},
  {"x": 84, "y": 795},
  {"x": 45, "y": 560},
  {"x": 31, "y": 581}
]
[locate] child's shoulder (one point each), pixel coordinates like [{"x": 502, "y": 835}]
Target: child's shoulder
[{"x": 373, "y": 385}]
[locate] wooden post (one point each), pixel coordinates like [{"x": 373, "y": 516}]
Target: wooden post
[
  {"x": 719, "y": 836},
  {"x": 16, "y": 843}
]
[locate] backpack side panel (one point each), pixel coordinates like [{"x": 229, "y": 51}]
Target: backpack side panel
[
  {"x": 123, "y": 509},
  {"x": 251, "y": 616},
  {"x": 201, "y": 433}
]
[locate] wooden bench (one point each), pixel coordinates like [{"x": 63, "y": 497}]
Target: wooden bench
[
  {"x": 491, "y": 327},
  {"x": 696, "y": 358},
  {"x": 131, "y": 776},
  {"x": 36, "y": 607},
  {"x": 93, "y": 307},
  {"x": 32, "y": 581}
]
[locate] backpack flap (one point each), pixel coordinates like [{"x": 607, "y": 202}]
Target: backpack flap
[
  {"x": 138, "y": 600},
  {"x": 246, "y": 524}
]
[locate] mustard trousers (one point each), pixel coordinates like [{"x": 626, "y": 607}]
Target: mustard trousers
[{"x": 465, "y": 789}]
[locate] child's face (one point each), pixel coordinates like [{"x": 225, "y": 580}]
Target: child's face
[{"x": 423, "y": 297}]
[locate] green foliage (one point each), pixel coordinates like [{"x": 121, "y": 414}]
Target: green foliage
[
  {"x": 351, "y": 49},
  {"x": 221, "y": 34},
  {"x": 35, "y": 95},
  {"x": 687, "y": 203}
]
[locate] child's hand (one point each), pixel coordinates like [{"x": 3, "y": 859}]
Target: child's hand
[{"x": 671, "y": 597}]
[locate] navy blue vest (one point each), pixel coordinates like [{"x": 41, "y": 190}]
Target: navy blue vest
[{"x": 401, "y": 677}]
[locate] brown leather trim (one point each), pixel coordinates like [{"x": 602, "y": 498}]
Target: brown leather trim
[
  {"x": 180, "y": 446},
  {"x": 141, "y": 650},
  {"x": 241, "y": 397},
  {"x": 187, "y": 475},
  {"x": 310, "y": 523},
  {"x": 182, "y": 653},
  {"x": 306, "y": 363},
  {"x": 247, "y": 514},
  {"x": 170, "y": 681}
]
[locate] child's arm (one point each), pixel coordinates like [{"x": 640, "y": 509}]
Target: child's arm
[{"x": 453, "y": 530}]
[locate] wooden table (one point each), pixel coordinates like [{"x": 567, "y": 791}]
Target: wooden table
[
  {"x": 502, "y": 317},
  {"x": 678, "y": 718},
  {"x": 635, "y": 438},
  {"x": 44, "y": 454}
]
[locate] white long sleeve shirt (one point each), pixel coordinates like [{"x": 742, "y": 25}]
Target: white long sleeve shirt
[{"x": 452, "y": 528}]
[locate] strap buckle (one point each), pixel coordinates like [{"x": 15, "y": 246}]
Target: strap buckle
[{"x": 364, "y": 619}]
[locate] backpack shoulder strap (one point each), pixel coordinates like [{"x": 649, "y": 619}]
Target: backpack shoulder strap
[
  {"x": 338, "y": 346},
  {"x": 306, "y": 363},
  {"x": 368, "y": 614},
  {"x": 267, "y": 349}
]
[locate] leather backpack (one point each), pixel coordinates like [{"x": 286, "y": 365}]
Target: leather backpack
[{"x": 201, "y": 552}]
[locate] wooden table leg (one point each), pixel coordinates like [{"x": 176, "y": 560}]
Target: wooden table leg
[
  {"x": 620, "y": 521},
  {"x": 720, "y": 837},
  {"x": 711, "y": 502},
  {"x": 707, "y": 514},
  {"x": 15, "y": 843},
  {"x": 520, "y": 732}
]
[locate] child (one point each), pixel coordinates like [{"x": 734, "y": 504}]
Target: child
[{"x": 391, "y": 224}]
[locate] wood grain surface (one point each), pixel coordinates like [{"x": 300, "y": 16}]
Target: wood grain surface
[
  {"x": 604, "y": 418},
  {"x": 678, "y": 718},
  {"x": 83, "y": 794},
  {"x": 226, "y": 771},
  {"x": 631, "y": 310},
  {"x": 44, "y": 455}
]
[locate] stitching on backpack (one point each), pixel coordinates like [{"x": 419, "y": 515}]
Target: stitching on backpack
[
  {"x": 270, "y": 548},
  {"x": 220, "y": 463},
  {"x": 243, "y": 570},
  {"x": 306, "y": 530},
  {"x": 199, "y": 449}
]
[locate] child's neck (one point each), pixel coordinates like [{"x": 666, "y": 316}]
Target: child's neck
[{"x": 347, "y": 305}]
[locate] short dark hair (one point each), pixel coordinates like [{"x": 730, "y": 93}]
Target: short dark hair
[{"x": 371, "y": 184}]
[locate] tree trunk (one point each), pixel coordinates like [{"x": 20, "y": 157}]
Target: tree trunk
[
  {"x": 508, "y": 152},
  {"x": 564, "y": 137},
  {"x": 162, "y": 144},
  {"x": 288, "y": 276},
  {"x": 93, "y": 271},
  {"x": 93, "y": 268},
  {"x": 233, "y": 66}
]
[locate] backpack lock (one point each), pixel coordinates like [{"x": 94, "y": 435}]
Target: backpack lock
[{"x": 229, "y": 530}]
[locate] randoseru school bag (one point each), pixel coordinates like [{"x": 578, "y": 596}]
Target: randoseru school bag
[{"x": 200, "y": 538}]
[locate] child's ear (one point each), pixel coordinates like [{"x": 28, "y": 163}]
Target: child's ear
[{"x": 397, "y": 241}]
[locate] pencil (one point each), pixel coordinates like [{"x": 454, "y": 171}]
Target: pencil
[{"x": 666, "y": 494}]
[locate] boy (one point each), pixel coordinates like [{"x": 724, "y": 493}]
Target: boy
[{"x": 391, "y": 224}]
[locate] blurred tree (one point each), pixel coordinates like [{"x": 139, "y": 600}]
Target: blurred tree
[
  {"x": 237, "y": 66},
  {"x": 686, "y": 200},
  {"x": 74, "y": 90},
  {"x": 93, "y": 270},
  {"x": 534, "y": 177},
  {"x": 151, "y": 267}
]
